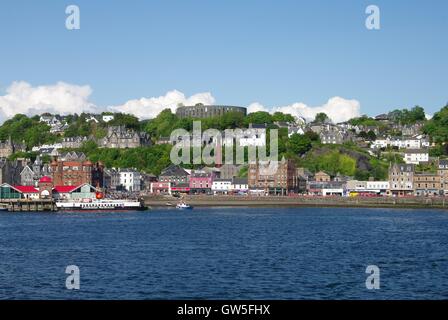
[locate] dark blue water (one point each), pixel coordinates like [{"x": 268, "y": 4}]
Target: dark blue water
[{"x": 226, "y": 253}]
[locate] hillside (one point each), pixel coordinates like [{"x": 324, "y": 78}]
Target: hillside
[{"x": 344, "y": 159}]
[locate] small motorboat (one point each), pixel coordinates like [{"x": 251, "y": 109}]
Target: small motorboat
[{"x": 183, "y": 205}]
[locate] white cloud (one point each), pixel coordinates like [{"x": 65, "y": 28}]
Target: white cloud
[
  {"x": 62, "y": 98},
  {"x": 145, "y": 108},
  {"x": 337, "y": 108},
  {"x": 255, "y": 107}
]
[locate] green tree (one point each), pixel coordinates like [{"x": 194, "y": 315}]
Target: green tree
[
  {"x": 437, "y": 127},
  {"x": 321, "y": 117},
  {"x": 282, "y": 117},
  {"x": 371, "y": 136},
  {"x": 362, "y": 175},
  {"x": 259, "y": 117},
  {"x": 299, "y": 144},
  {"x": 29, "y": 130}
]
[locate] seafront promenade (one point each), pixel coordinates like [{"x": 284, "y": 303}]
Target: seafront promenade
[{"x": 302, "y": 201}]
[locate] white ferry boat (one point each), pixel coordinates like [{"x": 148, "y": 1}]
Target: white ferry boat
[{"x": 100, "y": 204}]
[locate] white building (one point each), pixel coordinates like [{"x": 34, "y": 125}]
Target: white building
[
  {"x": 221, "y": 186},
  {"x": 377, "y": 186},
  {"x": 50, "y": 120},
  {"x": 333, "y": 192},
  {"x": 130, "y": 179},
  {"x": 406, "y": 143},
  {"x": 380, "y": 143},
  {"x": 108, "y": 117},
  {"x": 416, "y": 156},
  {"x": 416, "y": 142},
  {"x": 239, "y": 185},
  {"x": 295, "y": 130},
  {"x": 56, "y": 125}
]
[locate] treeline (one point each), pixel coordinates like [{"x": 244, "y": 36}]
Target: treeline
[
  {"x": 32, "y": 132},
  {"x": 167, "y": 121},
  {"x": 22, "y": 129},
  {"x": 82, "y": 126},
  {"x": 148, "y": 159}
]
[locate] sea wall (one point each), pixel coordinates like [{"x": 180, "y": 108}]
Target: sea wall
[{"x": 273, "y": 201}]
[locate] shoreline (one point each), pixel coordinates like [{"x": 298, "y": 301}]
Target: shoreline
[{"x": 323, "y": 202}]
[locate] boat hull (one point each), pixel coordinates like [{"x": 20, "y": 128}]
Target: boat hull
[{"x": 100, "y": 205}]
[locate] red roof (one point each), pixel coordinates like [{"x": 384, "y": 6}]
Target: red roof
[
  {"x": 65, "y": 189},
  {"x": 26, "y": 189},
  {"x": 45, "y": 179}
]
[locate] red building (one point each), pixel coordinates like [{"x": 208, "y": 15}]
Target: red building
[
  {"x": 71, "y": 173},
  {"x": 201, "y": 182}
]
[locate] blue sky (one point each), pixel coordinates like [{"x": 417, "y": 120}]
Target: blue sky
[{"x": 272, "y": 52}]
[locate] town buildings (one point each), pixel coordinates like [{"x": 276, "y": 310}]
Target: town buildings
[
  {"x": 321, "y": 184},
  {"x": 121, "y": 137},
  {"x": 239, "y": 185},
  {"x": 71, "y": 171},
  {"x": 330, "y": 133},
  {"x": 334, "y": 137},
  {"x": 442, "y": 171},
  {"x": 273, "y": 177},
  {"x": 32, "y": 173},
  {"x": 160, "y": 187},
  {"x": 322, "y": 176},
  {"x": 130, "y": 180},
  {"x": 367, "y": 188},
  {"x": 10, "y": 170},
  {"x": 427, "y": 184},
  {"x": 56, "y": 123},
  {"x": 174, "y": 174},
  {"x": 146, "y": 180},
  {"x": 221, "y": 186},
  {"x": 45, "y": 189},
  {"x": 97, "y": 175},
  {"x": 416, "y": 142},
  {"x": 201, "y": 182},
  {"x": 9, "y": 147},
  {"x": 111, "y": 179},
  {"x": 416, "y": 156},
  {"x": 401, "y": 179}
]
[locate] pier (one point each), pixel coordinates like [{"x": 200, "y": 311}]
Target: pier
[{"x": 29, "y": 205}]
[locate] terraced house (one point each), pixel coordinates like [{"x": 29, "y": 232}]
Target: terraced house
[
  {"x": 401, "y": 179},
  {"x": 427, "y": 184},
  {"x": 442, "y": 171}
]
